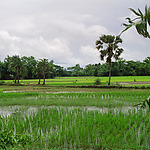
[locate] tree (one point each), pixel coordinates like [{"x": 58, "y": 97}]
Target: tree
[
  {"x": 76, "y": 70},
  {"x": 51, "y": 69},
  {"x": 58, "y": 70},
  {"x": 42, "y": 67},
  {"x": 30, "y": 66},
  {"x": 89, "y": 70},
  {"x": 107, "y": 45},
  {"x": 15, "y": 66},
  {"x": 1, "y": 66},
  {"x": 39, "y": 71},
  {"x": 141, "y": 22},
  {"x": 146, "y": 67}
]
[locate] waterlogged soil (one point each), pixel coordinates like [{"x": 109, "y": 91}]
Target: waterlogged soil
[{"x": 20, "y": 110}]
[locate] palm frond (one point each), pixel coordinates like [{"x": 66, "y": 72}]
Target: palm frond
[
  {"x": 141, "y": 25},
  {"x": 141, "y": 14},
  {"x": 129, "y": 20},
  {"x": 99, "y": 47},
  {"x": 134, "y": 12},
  {"x": 127, "y": 27},
  {"x": 142, "y": 29}
]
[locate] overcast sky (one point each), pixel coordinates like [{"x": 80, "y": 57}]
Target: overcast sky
[{"x": 66, "y": 30}]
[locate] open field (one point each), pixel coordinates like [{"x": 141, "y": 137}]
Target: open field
[{"x": 69, "y": 117}]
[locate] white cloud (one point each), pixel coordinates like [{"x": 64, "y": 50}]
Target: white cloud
[
  {"x": 65, "y": 31},
  {"x": 6, "y": 36},
  {"x": 90, "y": 55}
]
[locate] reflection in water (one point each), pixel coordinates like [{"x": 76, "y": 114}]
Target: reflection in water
[
  {"x": 18, "y": 110},
  {"x": 29, "y": 110}
]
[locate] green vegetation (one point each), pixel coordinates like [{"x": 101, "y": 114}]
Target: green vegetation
[
  {"x": 82, "y": 81},
  {"x": 81, "y": 128},
  {"x": 77, "y": 112},
  {"x": 109, "y": 98},
  {"x": 144, "y": 103},
  {"x": 73, "y": 117},
  {"x": 141, "y": 22},
  {"x": 9, "y": 139},
  {"x": 108, "y": 47},
  {"x": 16, "y": 69}
]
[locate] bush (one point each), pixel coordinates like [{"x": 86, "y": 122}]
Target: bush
[
  {"x": 143, "y": 87},
  {"x": 97, "y": 81},
  {"x": 2, "y": 82}
]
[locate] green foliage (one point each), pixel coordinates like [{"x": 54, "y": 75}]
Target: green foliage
[
  {"x": 144, "y": 103},
  {"x": 108, "y": 47},
  {"x": 97, "y": 81},
  {"x": 2, "y": 82},
  {"x": 141, "y": 22},
  {"x": 30, "y": 69},
  {"x": 8, "y": 139}
]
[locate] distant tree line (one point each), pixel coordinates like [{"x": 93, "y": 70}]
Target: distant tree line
[{"x": 17, "y": 68}]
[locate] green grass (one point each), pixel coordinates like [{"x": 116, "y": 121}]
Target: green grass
[
  {"x": 84, "y": 80},
  {"x": 109, "y": 98}
]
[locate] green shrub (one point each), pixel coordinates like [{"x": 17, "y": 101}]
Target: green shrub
[
  {"x": 136, "y": 87},
  {"x": 143, "y": 87},
  {"x": 2, "y": 82},
  {"x": 97, "y": 81}
]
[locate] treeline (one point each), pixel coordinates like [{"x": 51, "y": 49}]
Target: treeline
[{"x": 17, "y": 68}]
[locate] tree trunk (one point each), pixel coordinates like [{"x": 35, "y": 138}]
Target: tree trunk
[
  {"x": 44, "y": 79},
  {"x": 18, "y": 75},
  {"x": 15, "y": 75},
  {"x": 109, "y": 72},
  {"x": 18, "y": 79},
  {"x": 39, "y": 80}
]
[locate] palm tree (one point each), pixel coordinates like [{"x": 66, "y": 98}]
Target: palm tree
[
  {"x": 39, "y": 71},
  {"x": 141, "y": 22},
  {"x": 15, "y": 65},
  {"x": 107, "y": 45},
  {"x": 42, "y": 67}
]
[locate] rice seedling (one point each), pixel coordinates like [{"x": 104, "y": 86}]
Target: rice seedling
[
  {"x": 79, "y": 128},
  {"x": 77, "y": 122},
  {"x": 98, "y": 99}
]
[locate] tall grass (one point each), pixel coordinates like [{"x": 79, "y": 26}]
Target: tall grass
[{"x": 77, "y": 128}]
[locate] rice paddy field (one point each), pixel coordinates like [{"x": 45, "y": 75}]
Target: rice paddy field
[
  {"x": 65, "y": 118},
  {"x": 80, "y": 81}
]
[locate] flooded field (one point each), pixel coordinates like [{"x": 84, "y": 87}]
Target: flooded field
[
  {"x": 6, "y": 111},
  {"x": 79, "y": 127},
  {"x": 64, "y": 120}
]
